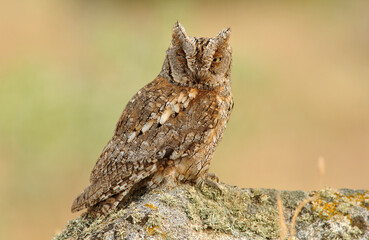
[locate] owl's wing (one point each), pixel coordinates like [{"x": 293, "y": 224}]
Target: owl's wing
[{"x": 162, "y": 121}]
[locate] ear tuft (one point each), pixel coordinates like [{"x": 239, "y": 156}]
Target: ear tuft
[
  {"x": 224, "y": 35},
  {"x": 179, "y": 32},
  {"x": 177, "y": 25},
  {"x": 179, "y": 37}
]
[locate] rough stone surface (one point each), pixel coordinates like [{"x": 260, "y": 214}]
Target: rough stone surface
[{"x": 188, "y": 212}]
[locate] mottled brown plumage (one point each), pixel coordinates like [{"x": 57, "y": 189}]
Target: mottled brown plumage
[{"x": 169, "y": 130}]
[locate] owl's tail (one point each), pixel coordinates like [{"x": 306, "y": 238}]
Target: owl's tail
[
  {"x": 89, "y": 197},
  {"x": 78, "y": 204},
  {"x": 94, "y": 199}
]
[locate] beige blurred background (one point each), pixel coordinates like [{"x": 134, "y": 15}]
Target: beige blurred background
[{"x": 67, "y": 68}]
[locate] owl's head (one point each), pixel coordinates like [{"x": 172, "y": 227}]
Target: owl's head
[{"x": 204, "y": 63}]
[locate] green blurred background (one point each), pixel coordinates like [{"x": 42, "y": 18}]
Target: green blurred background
[{"x": 67, "y": 68}]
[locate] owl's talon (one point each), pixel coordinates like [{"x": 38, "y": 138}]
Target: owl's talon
[{"x": 213, "y": 185}]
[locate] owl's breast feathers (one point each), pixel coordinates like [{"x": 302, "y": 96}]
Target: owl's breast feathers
[{"x": 161, "y": 122}]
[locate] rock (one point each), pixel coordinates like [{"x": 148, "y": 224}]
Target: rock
[{"x": 188, "y": 212}]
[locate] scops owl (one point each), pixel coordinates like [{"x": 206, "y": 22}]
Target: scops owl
[{"x": 169, "y": 130}]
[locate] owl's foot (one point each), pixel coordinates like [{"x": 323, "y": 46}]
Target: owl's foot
[
  {"x": 213, "y": 185},
  {"x": 213, "y": 176},
  {"x": 208, "y": 181}
]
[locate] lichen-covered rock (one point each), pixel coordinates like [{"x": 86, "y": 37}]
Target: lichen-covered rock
[{"x": 187, "y": 212}]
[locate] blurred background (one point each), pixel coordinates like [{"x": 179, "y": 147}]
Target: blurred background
[{"x": 67, "y": 69}]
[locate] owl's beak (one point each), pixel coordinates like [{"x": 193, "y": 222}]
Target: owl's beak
[
  {"x": 197, "y": 78},
  {"x": 200, "y": 76}
]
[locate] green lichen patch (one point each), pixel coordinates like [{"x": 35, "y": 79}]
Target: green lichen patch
[
  {"x": 291, "y": 199},
  {"x": 169, "y": 200},
  {"x": 78, "y": 227},
  {"x": 233, "y": 211},
  {"x": 87, "y": 224},
  {"x": 75, "y": 228}
]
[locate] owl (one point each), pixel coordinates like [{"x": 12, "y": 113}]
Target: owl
[{"x": 168, "y": 132}]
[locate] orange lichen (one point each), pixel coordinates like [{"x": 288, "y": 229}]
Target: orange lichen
[
  {"x": 362, "y": 199},
  {"x": 334, "y": 205},
  {"x": 157, "y": 191},
  {"x": 327, "y": 209},
  {"x": 152, "y": 230},
  {"x": 151, "y": 206},
  {"x": 155, "y": 230}
]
